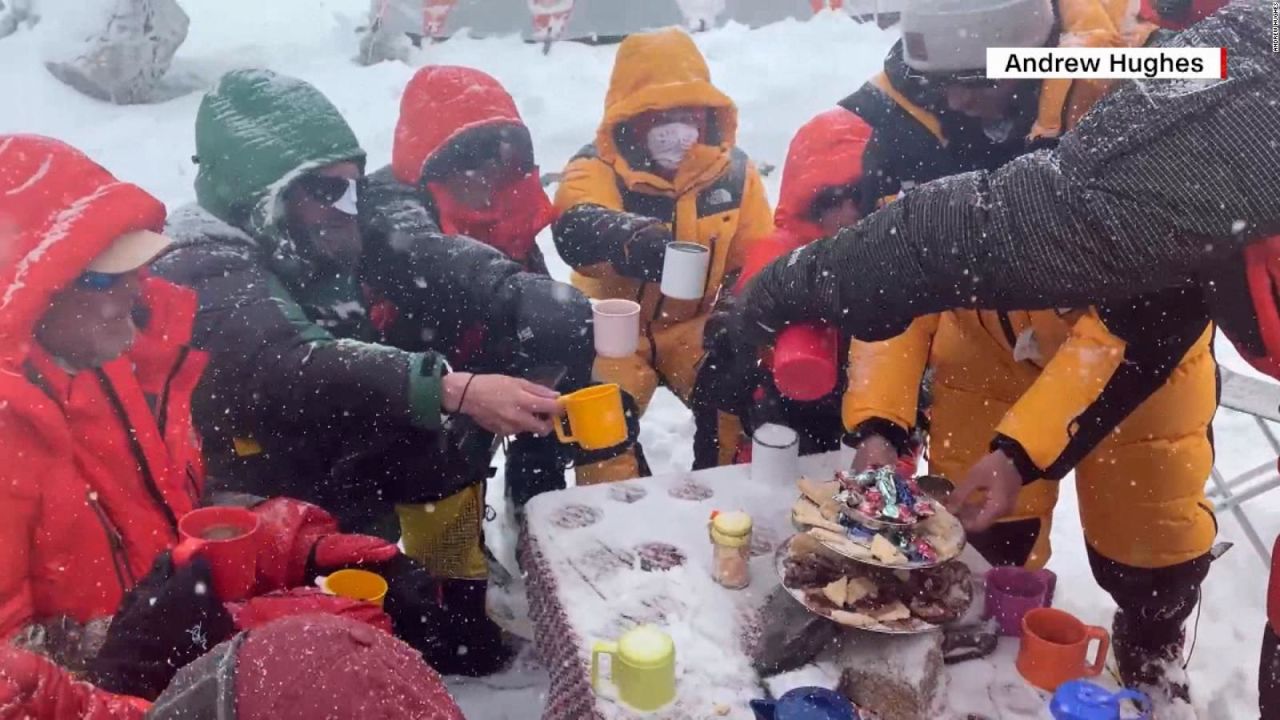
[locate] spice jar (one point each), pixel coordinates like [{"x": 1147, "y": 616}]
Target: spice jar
[{"x": 731, "y": 548}]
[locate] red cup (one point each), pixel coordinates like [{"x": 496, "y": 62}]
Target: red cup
[
  {"x": 804, "y": 361},
  {"x": 233, "y": 558}
]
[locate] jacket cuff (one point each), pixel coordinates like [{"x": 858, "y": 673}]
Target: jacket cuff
[
  {"x": 1027, "y": 467},
  {"x": 897, "y": 435},
  {"x": 425, "y": 391}
]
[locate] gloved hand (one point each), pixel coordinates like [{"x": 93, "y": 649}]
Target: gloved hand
[
  {"x": 298, "y": 540},
  {"x": 731, "y": 370},
  {"x": 169, "y": 619},
  {"x": 641, "y": 255},
  {"x": 444, "y": 619},
  {"x": 258, "y": 611}
]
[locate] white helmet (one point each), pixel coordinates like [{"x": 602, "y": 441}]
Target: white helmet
[{"x": 948, "y": 36}]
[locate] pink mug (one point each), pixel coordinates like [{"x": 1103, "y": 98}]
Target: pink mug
[
  {"x": 1012, "y": 592},
  {"x": 228, "y": 538}
]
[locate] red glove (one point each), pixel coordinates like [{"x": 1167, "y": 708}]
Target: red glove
[
  {"x": 296, "y": 537},
  {"x": 263, "y": 609},
  {"x": 32, "y": 686}
]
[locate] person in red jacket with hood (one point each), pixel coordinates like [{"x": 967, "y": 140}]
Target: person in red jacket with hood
[
  {"x": 101, "y": 458},
  {"x": 462, "y": 157},
  {"x": 820, "y": 195}
]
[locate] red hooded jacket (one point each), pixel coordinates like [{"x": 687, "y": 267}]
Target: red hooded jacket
[
  {"x": 441, "y": 104},
  {"x": 825, "y": 152},
  {"x": 100, "y": 464}
]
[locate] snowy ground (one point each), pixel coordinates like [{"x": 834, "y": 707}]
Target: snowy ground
[{"x": 780, "y": 76}]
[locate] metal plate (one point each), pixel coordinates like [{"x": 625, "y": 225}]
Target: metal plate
[{"x": 911, "y": 626}]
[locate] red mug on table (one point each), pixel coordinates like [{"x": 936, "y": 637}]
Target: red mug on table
[
  {"x": 227, "y": 538},
  {"x": 804, "y": 361},
  {"x": 1055, "y": 648}
]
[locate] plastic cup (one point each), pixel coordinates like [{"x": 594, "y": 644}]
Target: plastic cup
[
  {"x": 804, "y": 361},
  {"x": 617, "y": 327},
  {"x": 357, "y": 584},
  {"x": 227, "y": 538}
]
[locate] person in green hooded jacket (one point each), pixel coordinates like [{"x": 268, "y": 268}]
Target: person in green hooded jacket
[{"x": 325, "y": 381}]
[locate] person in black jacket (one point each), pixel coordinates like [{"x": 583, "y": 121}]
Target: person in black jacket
[
  {"x": 328, "y": 379},
  {"x": 1166, "y": 187}
]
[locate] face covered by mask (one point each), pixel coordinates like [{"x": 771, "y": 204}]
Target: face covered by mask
[{"x": 670, "y": 142}]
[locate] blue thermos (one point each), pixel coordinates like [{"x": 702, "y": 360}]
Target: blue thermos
[
  {"x": 1082, "y": 700},
  {"x": 806, "y": 703}
]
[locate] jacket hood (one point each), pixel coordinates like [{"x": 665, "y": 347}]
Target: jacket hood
[
  {"x": 58, "y": 211},
  {"x": 660, "y": 71},
  {"x": 439, "y": 105},
  {"x": 256, "y": 132},
  {"x": 308, "y": 666},
  {"x": 826, "y": 152}
]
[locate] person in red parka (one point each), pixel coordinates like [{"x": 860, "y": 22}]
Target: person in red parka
[
  {"x": 301, "y": 667},
  {"x": 820, "y": 195},
  {"x": 101, "y": 459}
]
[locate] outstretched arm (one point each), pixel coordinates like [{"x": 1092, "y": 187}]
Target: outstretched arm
[{"x": 1161, "y": 177}]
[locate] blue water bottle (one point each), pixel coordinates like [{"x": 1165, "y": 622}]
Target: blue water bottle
[{"x": 1081, "y": 700}]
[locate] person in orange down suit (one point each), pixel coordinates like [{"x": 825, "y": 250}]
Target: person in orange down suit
[{"x": 664, "y": 167}]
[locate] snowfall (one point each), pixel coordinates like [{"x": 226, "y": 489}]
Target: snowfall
[{"x": 780, "y": 76}]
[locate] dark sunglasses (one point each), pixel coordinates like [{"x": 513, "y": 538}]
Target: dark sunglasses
[
  {"x": 342, "y": 194},
  {"x": 481, "y": 150},
  {"x": 98, "y": 281},
  {"x": 830, "y": 197}
]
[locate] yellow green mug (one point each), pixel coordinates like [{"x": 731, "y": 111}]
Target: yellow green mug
[
  {"x": 596, "y": 418},
  {"x": 357, "y": 585},
  {"x": 642, "y": 667}
]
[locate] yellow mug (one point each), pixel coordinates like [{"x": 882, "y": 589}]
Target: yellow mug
[
  {"x": 596, "y": 418},
  {"x": 357, "y": 585},
  {"x": 643, "y": 667}
]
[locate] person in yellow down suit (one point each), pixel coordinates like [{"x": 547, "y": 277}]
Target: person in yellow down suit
[
  {"x": 664, "y": 167},
  {"x": 1122, "y": 393}
]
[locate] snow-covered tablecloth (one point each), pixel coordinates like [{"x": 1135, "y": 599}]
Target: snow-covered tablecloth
[{"x": 603, "y": 559}]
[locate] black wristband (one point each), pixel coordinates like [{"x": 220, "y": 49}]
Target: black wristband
[
  {"x": 897, "y": 435},
  {"x": 1027, "y": 467},
  {"x": 462, "y": 399}
]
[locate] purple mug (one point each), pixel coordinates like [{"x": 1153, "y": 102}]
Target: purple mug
[{"x": 1012, "y": 592}]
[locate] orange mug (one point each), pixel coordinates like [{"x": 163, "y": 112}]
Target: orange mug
[
  {"x": 228, "y": 538},
  {"x": 1055, "y": 648}
]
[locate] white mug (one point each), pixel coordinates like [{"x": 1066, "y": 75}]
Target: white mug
[
  {"x": 617, "y": 327},
  {"x": 684, "y": 270},
  {"x": 775, "y": 454}
]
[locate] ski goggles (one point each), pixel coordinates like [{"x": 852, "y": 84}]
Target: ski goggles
[
  {"x": 341, "y": 194},
  {"x": 98, "y": 281}
]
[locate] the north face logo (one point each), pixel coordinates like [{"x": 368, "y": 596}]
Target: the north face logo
[{"x": 718, "y": 197}]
